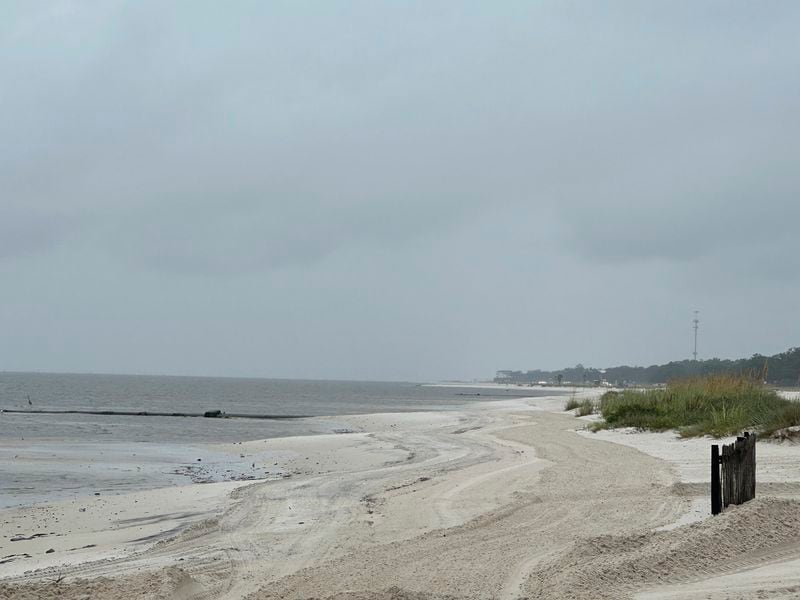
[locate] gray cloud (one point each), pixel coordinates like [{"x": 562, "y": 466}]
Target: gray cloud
[
  {"x": 395, "y": 191},
  {"x": 26, "y": 232}
]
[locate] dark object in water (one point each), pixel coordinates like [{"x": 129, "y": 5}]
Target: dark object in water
[{"x": 144, "y": 413}]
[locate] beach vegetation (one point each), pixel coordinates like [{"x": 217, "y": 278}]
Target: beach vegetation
[
  {"x": 716, "y": 405},
  {"x": 585, "y": 408},
  {"x": 581, "y": 407}
]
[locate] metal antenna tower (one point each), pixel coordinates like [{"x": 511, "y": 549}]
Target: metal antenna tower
[{"x": 696, "y": 327}]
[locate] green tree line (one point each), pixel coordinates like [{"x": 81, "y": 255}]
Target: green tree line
[{"x": 779, "y": 369}]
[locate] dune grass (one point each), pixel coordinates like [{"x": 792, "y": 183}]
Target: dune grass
[
  {"x": 581, "y": 407},
  {"x": 716, "y": 405}
]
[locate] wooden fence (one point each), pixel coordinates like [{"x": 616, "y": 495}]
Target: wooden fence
[{"x": 737, "y": 483}]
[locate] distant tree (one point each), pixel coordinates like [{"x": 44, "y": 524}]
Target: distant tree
[{"x": 783, "y": 369}]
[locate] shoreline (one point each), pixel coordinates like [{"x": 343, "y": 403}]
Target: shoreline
[
  {"x": 489, "y": 501},
  {"x": 82, "y": 468}
]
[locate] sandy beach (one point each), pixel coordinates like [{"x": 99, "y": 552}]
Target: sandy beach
[{"x": 506, "y": 499}]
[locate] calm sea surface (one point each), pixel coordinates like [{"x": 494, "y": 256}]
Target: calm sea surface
[
  {"x": 199, "y": 394},
  {"x": 61, "y": 457}
]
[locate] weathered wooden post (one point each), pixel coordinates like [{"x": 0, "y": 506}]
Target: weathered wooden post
[
  {"x": 738, "y": 464},
  {"x": 726, "y": 459},
  {"x": 749, "y": 467},
  {"x": 741, "y": 470},
  {"x": 753, "y": 467},
  {"x": 716, "y": 489}
]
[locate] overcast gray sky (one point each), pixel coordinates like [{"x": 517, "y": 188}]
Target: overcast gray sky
[{"x": 395, "y": 190}]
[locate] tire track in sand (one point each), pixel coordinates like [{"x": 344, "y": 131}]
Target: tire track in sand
[{"x": 589, "y": 488}]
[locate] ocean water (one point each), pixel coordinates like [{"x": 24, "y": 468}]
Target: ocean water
[
  {"x": 200, "y": 394},
  {"x": 45, "y": 457}
]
